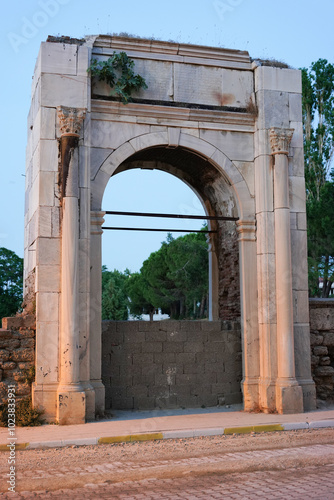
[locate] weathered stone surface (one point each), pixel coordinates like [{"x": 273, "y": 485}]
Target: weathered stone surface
[
  {"x": 329, "y": 338},
  {"x": 320, "y": 351}
]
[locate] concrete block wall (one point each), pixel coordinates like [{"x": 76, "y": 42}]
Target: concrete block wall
[
  {"x": 322, "y": 346},
  {"x": 171, "y": 364}
]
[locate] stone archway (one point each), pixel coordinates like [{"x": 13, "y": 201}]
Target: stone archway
[{"x": 247, "y": 162}]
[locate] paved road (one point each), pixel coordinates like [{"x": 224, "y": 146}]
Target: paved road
[{"x": 292, "y": 471}]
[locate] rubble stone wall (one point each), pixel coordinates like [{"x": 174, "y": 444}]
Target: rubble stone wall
[
  {"x": 17, "y": 355},
  {"x": 322, "y": 346},
  {"x": 169, "y": 364}
]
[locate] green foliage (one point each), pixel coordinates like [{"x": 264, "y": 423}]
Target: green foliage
[
  {"x": 25, "y": 414},
  {"x": 114, "y": 295},
  {"x": 173, "y": 279},
  {"x": 11, "y": 282},
  {"x": 118, "y": 72},
  {"x": 318, "y": 123}
]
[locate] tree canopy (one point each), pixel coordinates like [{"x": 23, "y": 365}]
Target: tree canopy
[
  {"x": 318, "y": 123},
  {"x": 11, "y": 282}
]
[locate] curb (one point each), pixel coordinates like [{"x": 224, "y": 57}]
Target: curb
[{"x": 178, "y": 434}]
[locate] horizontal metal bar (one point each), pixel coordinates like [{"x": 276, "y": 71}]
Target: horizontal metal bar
[
  {"x": 154, "y": 229},
  {"x": 171, "y": 216}
]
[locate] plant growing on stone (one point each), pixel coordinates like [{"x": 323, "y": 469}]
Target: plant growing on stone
[{"x": 118, "y": 72}]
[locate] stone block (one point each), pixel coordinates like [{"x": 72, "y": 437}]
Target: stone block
[
  {"x": 296, "y": 162},
  {"x": 229, "y": 150},
  {"x": 193, "y": 347},
  {"x": 47, "y": 279},
  {"x": 297, "y": 138},
  {"x": 65, "y": 90},
  {"x": 48, "y": 251},
  {"x": 143, "y": 403},
  {"x": 58, "y": 58},
  {"x": 133, "y": 337},
  {"x": 316, "y": 339},
  {"x": 320, "y": 350},
  {"x": 23, "y": 354},
  {"x": 71, "y": 408},
  {"x": 137, "y": 391},
  {"x": 264, "y": 229},
  {"x": 273, "y": 109},
  {"x": 324, "y": 371},
  {"x": 194, "y": 368},
  {"x": 152, "y": 346},
  {"x": 187, "y": 401},
  {"x": 301, "y": 221},
  {"x": 176, "y": 336},
  {"x": 325, "y": 361},
  {"x": 164, "y": 379},
  {"x": 164, "y": 357},
  {"x": 278, "y": 79},
  {"x": 154, "y": 335},
  {"x": 143, "y": 359},
  {"x": 297, "y": 194},
  {"x": 173, "y": 347},
  {"x": 106, "y": 134},
  {"x": 264, "y": 184},
  {"x": 329, "y": 339},
  {"x": 295, "y": 107},
  {"x": 207, "y": 400},
  {"x": 47, "y": 307},
  {"x": 122, "y": 403},
  {"x": 166, "y": 402},
  {"x": 48, "y": 155}
]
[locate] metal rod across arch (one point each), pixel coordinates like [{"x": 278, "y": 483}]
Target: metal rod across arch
[
  {"x": 172, "y": 216},
  {"x": 169, "y": 216}
]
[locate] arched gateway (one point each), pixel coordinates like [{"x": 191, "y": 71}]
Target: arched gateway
[{"x": 228, "y": 127}]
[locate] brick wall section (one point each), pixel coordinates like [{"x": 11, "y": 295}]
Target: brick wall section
[
  {"x": 17, "y": 354},
  {"x": 322, "y": 346},
  {"x": 171, "y": 364}
]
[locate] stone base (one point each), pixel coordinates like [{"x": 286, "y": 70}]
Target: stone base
[
  {"x": 267, "y": 396},
  {"x": 45, "y": 397},
  {"x": 289, "y": 398},
  {"x": 250, "y": 390},
  {"x": 309, "y": 394},
  {"x": 90, "y": 400},
  {"x": 71, "y": 407},
  {"x": 100, "y": 397}
]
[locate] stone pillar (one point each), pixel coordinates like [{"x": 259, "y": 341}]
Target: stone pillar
[
  {"x": 95, "y": 311},
  {"x": 71, "y": 400},
  {"x": 289, "y": 396},
  {"x": 249, "y": 316}
]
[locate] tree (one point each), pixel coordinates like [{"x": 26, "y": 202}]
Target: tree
[
  {"x": 114, "y": 295},
  {"x": 318, "y": 123},
  {"x": 11, "y": 282},
  {"x": 173, "y": 279}
]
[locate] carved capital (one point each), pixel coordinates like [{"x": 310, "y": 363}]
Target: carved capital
[
  {"x": 280, "y": 139},
  {"x": 70, "y": 120}
]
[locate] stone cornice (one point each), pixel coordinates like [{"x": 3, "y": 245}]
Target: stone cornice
[
  {"x": 166, "y": 115},
  {"x": 70, "y": 120},
  {"x": 280, "y": 139},
  {"x": 177, "y": 52}
]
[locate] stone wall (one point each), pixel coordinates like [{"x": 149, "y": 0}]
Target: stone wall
[
  {"x": 171, "y": 364},
  {"x": 322, "y": 346},
  {"x": 17, "y": 355}
]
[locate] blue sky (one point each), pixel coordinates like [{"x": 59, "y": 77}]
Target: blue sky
[{"x": 297, "y": 33}]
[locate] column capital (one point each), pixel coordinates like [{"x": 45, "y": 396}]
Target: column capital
[
  {"x": 280, "y": 139},
  {"x": 70, "y": 120}
]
